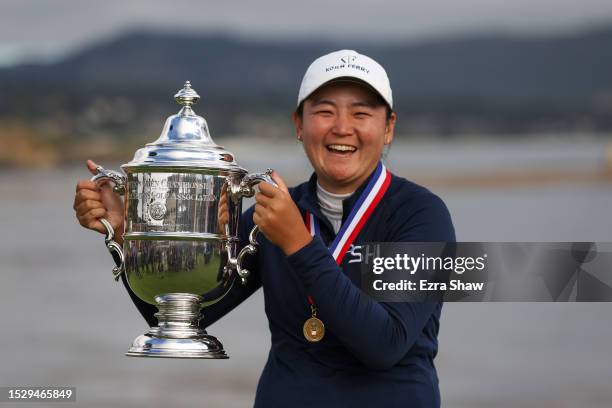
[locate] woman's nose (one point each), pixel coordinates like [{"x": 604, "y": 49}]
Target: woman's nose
[{"x": 343, "y": 125}]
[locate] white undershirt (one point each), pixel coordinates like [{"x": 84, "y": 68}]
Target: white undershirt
[{"x": 331, "y": 206}]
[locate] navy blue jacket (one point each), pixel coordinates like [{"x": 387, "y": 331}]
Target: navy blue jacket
[{"x": 373, "y": 353}]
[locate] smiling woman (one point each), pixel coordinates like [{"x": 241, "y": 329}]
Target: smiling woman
[
  {"x": 332, "y": 345},
  {"x": 342, "y": 133}
]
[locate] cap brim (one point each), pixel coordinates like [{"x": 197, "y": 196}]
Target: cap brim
[{"x": 351, "y": 80}]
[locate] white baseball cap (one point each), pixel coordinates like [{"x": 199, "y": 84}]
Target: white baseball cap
[{"x": 345, "y": 64}]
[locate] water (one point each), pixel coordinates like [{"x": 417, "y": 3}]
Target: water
[{"x": 65, "y": 321}]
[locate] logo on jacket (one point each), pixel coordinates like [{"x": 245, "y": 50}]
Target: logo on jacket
[{"x": 356, "y": 253}]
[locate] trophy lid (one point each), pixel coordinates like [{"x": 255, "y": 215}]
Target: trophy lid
[{"x": 184, "y": 142}]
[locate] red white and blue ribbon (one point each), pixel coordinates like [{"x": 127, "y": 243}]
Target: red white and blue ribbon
[{"x": 361, "y": 212}]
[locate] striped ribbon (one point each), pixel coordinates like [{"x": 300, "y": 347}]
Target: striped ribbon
[{"x": 361, "y": 212}]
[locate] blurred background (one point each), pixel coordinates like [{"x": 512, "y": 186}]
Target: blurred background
[{"x": 505, "y": 111}]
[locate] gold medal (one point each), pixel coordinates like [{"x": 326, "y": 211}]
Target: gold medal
[{"x": 314, "y": 330}]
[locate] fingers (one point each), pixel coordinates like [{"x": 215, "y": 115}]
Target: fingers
[
  {"x": 91, "y": 166},
  {"x": 268, "y": 189},
  {"x": 86, "y": 195},
  {"x": 88, "y": 202},
  {"x": 258, "y": 216},
  {"x": 86, "y": 206},
  {"x": 94, "y": 214},
  {"x": 262, "y": 212},
  {"x": 83, "y": 195},
  {"x": 91, "y": 219},
  {"x": 264, "y": 200},
  {"x": 93, "y": 169},
  {"x": 281, "y": 183},
  {"x": 86, "y": 185}
]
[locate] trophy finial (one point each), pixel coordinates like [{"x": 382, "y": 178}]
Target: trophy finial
[{"x": 187, "y": 96}]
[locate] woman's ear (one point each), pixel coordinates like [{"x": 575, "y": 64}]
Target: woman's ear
[
  {"x": 297, "y": 122},
  {"x": 390, "y": 128}
]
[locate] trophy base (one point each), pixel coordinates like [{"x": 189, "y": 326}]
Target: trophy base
[
  {"x": 203, "y": 346},
  {"x": 177, "y": 334}
]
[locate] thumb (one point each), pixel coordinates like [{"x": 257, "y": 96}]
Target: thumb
[
  {"x": 279, "y": 181},
  {"x": 91, "y": 166}
]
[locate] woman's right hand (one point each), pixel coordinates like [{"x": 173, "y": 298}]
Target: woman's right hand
[{"x": 93, "y": 202}]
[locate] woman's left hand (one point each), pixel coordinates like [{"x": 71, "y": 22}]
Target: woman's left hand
[{"x": 279, "y": 218}]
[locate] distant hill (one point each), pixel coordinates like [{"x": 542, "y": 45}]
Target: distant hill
[{"x": 498, "y": 79}]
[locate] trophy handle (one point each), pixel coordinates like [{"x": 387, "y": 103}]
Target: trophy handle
[
  {"x": 110, "y": 175},
  {"x": 247, "y": 184},
  {"x": 249, "y": 249},
  {"x": 246, "y": 189},
  {"x": 113, "y": 247}
]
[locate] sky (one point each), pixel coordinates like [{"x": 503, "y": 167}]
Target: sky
[{"x": 49, "y": 29}]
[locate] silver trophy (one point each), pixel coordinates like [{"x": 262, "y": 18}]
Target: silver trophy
[{"x": 183, "y": 201}]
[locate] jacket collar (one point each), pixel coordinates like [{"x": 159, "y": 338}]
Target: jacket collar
[{"x": 309, "y": 201}]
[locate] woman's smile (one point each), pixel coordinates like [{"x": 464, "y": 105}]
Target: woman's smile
[{"x": 341, "y": 149}]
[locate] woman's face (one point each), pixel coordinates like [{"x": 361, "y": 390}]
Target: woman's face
[{"x": 344, "y": 128}]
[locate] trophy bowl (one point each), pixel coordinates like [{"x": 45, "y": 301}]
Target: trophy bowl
[{"x": 183, "y": 201}]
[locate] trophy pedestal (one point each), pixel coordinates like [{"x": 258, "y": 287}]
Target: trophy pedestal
[{"x": 177, "y": 334}]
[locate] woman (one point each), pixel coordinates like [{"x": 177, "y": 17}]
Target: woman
[{"x": 331, "y": 344}]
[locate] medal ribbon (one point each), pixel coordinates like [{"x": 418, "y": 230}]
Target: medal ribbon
[{"x": 359, "y": 215}]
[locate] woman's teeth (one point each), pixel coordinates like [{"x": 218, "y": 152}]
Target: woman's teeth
[{"x": 341, "y": 148}]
